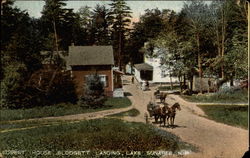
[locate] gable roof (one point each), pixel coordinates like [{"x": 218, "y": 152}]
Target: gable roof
[
  {"x": 90, "y": 55},
  {"x": 143, "y": 66}
]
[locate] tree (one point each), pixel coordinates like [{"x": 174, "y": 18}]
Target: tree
[
  {"x": 44, "y": 91},
  {"x": 196, "y": 11},
  {"x": 85, "y": 22},
  {"x": 52, "y": 17},
  {"x": 173, "y": 53},
  {"x": 229, "y": 27},
  {"x": 20, "y": 54},
  {"x": 148, "y": 27},
  {"x": 119, "y": 16},
  {"x": 100, "y": 25},
  {"x": 93, "y": 95}
]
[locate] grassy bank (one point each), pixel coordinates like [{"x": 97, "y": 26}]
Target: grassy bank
[
  {"x": 167, "y": 88},
  {"x": 94, "y": 135},
  {"x": 59, "y": 110},
  {"x": 235, "y": 97},
  {"x": 229, "y": 114},
  {"x": 132, "y": 113}
]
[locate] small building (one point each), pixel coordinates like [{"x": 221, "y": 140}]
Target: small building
[
  {"x": 89, "y": 60},
  {"x": 152, "y": 70},
  {"x": 143, "y": 72}
]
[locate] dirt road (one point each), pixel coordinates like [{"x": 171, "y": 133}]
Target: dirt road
[{"x": 214, "y": 140}]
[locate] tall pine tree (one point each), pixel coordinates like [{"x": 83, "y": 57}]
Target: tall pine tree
[{"x": 119, "y": 17}]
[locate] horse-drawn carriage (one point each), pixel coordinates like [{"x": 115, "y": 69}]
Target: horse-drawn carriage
[
  {"x": 165, "y": 112},
  {"x": 160, "y": 95}
]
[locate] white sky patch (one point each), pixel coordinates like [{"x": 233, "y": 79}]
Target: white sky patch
[{"x": 138, "y": 8}]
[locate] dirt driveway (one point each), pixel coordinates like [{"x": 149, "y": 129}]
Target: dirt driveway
[{"x": 214, "y": 140}]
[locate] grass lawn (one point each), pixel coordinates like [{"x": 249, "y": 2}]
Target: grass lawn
[
  {"x": 167, "y": 88},
  {"x": 132, "y": 113},
  {"x": 94, "y": 135},
  {"x": 229, "y": 114},
  {"x": 236, "y": 97},
  {"x": 59, "y": 110}
]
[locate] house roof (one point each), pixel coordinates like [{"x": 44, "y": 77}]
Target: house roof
[
  {"x": 90, "y": 55},
  {"x": 143, "y": 66}
]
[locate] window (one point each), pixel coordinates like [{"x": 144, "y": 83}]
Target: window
[
  {"x": 103, "y": 78},
  {"x": 163, "y": 73}
]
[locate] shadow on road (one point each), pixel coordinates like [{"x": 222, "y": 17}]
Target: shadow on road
[
  {"x": 127, "y": 94},
  {"x": 174, "y": 126}
]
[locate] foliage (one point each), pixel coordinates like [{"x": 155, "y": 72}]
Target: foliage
[
  {"x": 119, "y": 18},
  {"x": 166, "y": 88},
  {"x": 234, "y": 96},
  {"x": 229, "y": 114},
  {"x": 93, "y": 135},
  {"x": 93, "y": 95},
  {"x": 56, "y": 19},
  {"x": 51, "y": 86},
  {"x": 12, "y": 86},
  {"x": 60, "y": 109},
  {"x": 100, "y": 26},
  {"x": 148, "y": 27},
  {"x": 201, "y": 40}
]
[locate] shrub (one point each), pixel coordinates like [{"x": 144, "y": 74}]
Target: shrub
[
  {"x": 43, "y": 87},
  {"x": 13, "y": 87},
  {"x": 52, "y": 86},
  {"x": 93, "y": 95}
]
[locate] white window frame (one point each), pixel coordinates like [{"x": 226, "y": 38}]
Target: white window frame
[{"x": 102, "y": 78}]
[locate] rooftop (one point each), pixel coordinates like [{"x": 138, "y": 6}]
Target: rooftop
[{"x": 90, "y": 55}]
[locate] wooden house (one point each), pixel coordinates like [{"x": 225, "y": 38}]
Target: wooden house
[{"x": 89, "y": 60}]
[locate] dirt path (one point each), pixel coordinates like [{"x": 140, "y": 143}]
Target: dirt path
[
  {"x": 214, "y": 140},
  {"x": 74, "y": 117}
]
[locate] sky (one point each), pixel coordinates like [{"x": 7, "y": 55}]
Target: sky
[{"x": 34, "y": 8}]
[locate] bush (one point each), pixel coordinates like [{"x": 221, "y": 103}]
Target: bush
[
  {"x": 13, "y": 86},
  {"x": 52, "y": 86},
  {"x": 93, "y": 95},
  {"x": 43, "y": 87}
]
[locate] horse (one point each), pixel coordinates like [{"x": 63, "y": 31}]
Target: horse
[
  {"x": 172, "y": 112},
  {"x": 163, "y": 114},
  {"x": 163, "y": 97}
]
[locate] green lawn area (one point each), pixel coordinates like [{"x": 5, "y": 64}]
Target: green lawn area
[
  {"x": 94, "y": 136},
  {"x": 59, "y": 110},
  {"x": 132, "y": 113},
  {"x": 229, "y": 114},
  {"x": 167, "y": 88},
  {"x": 236, "y": 97}
]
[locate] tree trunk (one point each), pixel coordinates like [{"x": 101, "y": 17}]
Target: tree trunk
[
  {"x": 184, "y": 81},
  {"x": 56, "y": 39},
  {"x": 199, "y": 62},
  {"x": 223, "y": 34},
  {"x": 179, "y": 77},
  {"x": 171, "y": 83},
  {"x": 120, "y": 52},
  {"x": 191, "y": 83}
]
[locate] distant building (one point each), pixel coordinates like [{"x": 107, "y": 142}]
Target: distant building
[{"x": 152, "y": 70}]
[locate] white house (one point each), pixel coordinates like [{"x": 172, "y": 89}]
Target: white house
[{"x": 152, "y": 70}]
